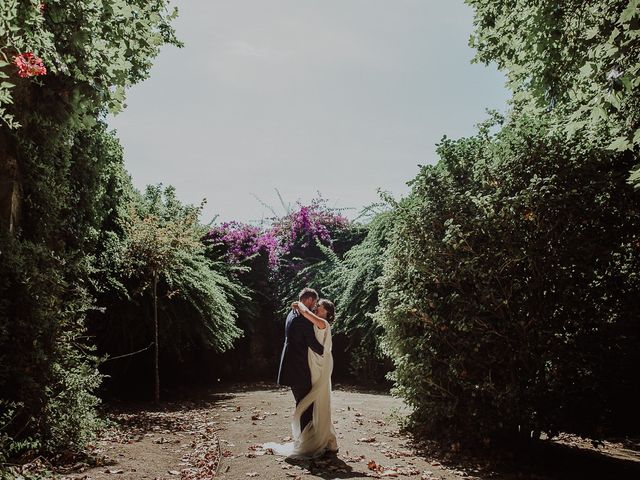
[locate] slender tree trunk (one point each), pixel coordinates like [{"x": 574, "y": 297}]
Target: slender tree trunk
[
  {"x": 10, "y": 191},
  {"x": 157, "y": 348}
]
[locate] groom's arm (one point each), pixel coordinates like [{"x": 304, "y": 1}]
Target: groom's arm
[{"x": 310, "y": 337}]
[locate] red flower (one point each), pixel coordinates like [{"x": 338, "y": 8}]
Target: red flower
[
  {"x": 42, "y": 7},
  {"x": 29, "y": 65}
]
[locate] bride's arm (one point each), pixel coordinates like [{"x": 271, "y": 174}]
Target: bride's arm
[{"x": 309, "y": 315}]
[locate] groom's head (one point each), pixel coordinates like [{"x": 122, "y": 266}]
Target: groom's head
[{"x": 309, "y": 297}]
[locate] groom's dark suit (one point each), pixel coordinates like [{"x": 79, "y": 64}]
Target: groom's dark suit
[{"x": 294, "y": 362}]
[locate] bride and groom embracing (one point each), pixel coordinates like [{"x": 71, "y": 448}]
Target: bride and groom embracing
[{"x": 306, "y": 364}]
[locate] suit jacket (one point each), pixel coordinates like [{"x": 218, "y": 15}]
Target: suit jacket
[{"x": 294, "y": 361}]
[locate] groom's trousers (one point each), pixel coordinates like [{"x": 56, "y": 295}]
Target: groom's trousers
[{"x": 299, "y": 392}]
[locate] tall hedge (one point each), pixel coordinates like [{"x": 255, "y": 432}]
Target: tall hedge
[
  {"x": 63, "y": 65},
  {"x": 511, "y": 291}
]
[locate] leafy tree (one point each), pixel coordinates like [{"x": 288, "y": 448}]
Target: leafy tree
[
  {"x": 87, "y": 52},
  {"x": 153, "y": 247},
  {"x": 579, "y": 58},
  {"x": 162, "y": 245},
  {"x": 48, "y": 371},
  {"x": 63, "y": 65}
]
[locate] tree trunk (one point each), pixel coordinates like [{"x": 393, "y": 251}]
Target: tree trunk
[
  {"x": 10, "y": 194},
  {"x": 157, "y": 348}
]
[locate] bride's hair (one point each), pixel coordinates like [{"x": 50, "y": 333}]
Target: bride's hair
[{"x": 329, "y": 307}]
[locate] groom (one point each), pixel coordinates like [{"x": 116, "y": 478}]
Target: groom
[{"x": 294, "y": 363}]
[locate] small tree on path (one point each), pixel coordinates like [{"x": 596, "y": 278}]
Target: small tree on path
[{"x": 153, "y": 247}]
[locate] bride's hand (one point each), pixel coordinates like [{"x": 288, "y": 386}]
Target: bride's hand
[{"x": 299, "y": 307}]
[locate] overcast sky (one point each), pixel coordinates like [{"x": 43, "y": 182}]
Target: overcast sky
[{"x": 337, "y": 96}]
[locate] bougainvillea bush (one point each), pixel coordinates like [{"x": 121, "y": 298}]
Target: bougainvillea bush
[
  {"x": 282, "y": 256},
  {"x": 240, "y": 241},
  {"x": 510, "y": 296},
  {"x": 290, "y": 242},
  {"x": 306, "y": 234}
]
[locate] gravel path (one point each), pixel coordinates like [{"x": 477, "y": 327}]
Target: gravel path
[{"x": 220, "y": 433}]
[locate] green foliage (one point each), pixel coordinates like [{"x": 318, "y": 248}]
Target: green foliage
[
  {"x": 41, "y": 337},
  {"x": 69, "y": 178},
  {"x": 353, "y": 284},
  {"x": 196, "y": 295},
  {"x": 168, "y": 238},
  {"x": 159, "y": 238},
  {"x": 48, "y": 371},
  {"x": 580, "y": 58},
  {"x": 92, "y": 49},
  {"x": 510, "y": 293}
]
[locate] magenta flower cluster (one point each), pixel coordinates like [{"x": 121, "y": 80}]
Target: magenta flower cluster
[
  {"x": 308, "y": 223},
  {"x": 300, "y": 227},
  {"x": 243, "y": 241}
]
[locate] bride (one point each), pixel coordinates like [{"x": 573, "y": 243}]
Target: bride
[{"x": 318, "y": 436}]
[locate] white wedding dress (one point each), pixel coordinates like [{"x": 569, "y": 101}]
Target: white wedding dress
[{"x": 319, "y": 436}]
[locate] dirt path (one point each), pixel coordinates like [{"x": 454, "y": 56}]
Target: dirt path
[{"x": 222, "y": 431}]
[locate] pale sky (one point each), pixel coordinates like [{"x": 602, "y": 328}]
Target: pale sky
[{"x": 338, "y": 96}]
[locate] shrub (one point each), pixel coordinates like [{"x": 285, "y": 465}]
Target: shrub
[
  {"x": 510, "y": 295},
  {"x": 354, "y": 284}
]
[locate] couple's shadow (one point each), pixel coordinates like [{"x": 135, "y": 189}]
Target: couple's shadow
[{"x": 328, "y": 466}]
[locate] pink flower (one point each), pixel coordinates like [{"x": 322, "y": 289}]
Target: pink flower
[
  {"x": 244, "y": 241},
  {"x": 308, "y": 224},
  {"x": 29, "y": 65}
]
